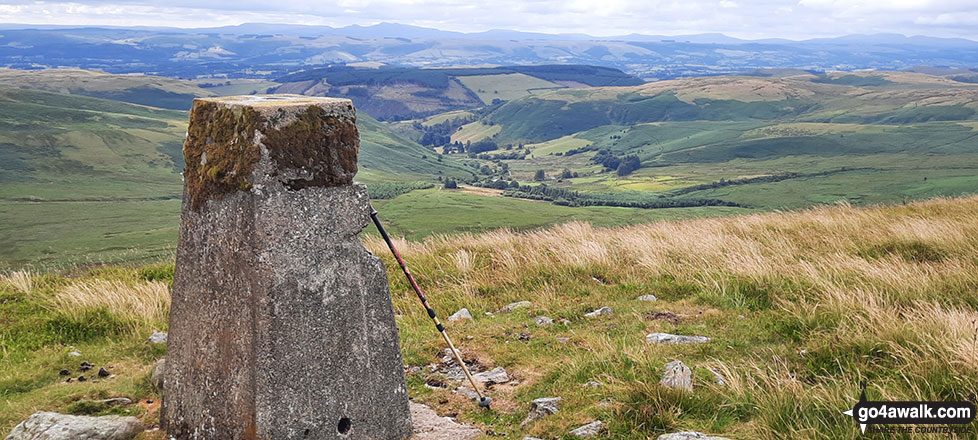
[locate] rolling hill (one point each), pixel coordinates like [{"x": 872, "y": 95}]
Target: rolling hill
[
  {"x": 400, "y": 93},
  {"x": 155, "y": 91},
  {"x": 772, "y": 140},
  {"x": 87, "y": 180}
]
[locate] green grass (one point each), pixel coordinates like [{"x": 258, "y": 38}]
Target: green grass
[
  {"x": 505, "y": 87},
  {"x": 774, "y": 293},
  {"x": 437, "y": 211}
]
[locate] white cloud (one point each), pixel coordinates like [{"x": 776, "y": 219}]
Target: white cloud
[{"x": 741, "y": 18}]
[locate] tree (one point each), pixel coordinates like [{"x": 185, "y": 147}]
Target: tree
[
  {"x": 451, "y": 184},
  {"x": 628, "y": 164},
  {"x": 566, "y": 174},
  {"x": 540, "y": 175}
]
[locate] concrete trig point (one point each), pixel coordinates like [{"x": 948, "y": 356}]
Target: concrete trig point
[{"x": 281, "y": 325}]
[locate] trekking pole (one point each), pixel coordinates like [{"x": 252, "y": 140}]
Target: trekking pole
[{"x": 484, "y": 401}]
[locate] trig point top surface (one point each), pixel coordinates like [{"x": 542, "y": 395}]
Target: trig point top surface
[
  {"x": 240, "y": 143},
  {"x": 263, "y": 103}
]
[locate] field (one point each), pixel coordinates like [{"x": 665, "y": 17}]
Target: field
[
  {"x": 800, "y": 307},
  {"x": 505, "y": 87},
  {"x": 475, "y": 132},
  {"x": 92, "y": 181},
  {"x": 420, "y": 214},
  {"x": 778, "y": 142}
]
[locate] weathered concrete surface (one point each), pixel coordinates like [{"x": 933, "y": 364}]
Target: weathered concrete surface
[
  {"x": 281, "y": 325},
  {"x": 54, "y": 426}
]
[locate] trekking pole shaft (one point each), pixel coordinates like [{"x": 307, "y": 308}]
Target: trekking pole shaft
[{"x": 424, "y": 300}]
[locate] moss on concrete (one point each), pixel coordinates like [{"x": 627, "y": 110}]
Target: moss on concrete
[
  {"x": 220, "y": 151},
  {"x": 324, "y": 147}
]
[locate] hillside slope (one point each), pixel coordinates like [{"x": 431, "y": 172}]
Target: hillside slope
[
  {"x": 799, "y": 307},
  {"x": 398, "y": 93},
  {"x": 775, "y": 140},
  {"x": 155, "y": 91},
  {"x": 86, "y": 180}
]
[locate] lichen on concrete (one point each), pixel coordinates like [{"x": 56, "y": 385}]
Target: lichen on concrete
[
  {"x": 220, "y": 151},
  {"x": 235, "y": 143}
]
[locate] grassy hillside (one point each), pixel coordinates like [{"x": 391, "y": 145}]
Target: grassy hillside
[
  {"x": 785, "y": 140},
  {"x": 399, "y": 93},
  {"x": 149, "y": 90},
  {"x": 87, "y": 181},
  {"x": 800, "y": 308}
]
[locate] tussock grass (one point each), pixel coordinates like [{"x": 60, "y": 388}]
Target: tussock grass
[
  {"x": 800, "y": 307},
  {"x": 143, "y": 302},
  {"x": 20, "y": 280}
]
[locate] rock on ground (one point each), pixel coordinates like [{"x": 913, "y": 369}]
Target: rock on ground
[
  {"x": 467, "y": 392},
  {"x": 601, "y": 311},
  {"x": 540, "y": 408},
  {"x": 669, "y": 338},
  {"x": 460, "y": 315},
  {"x": 430, "y": 426},
  {"x": 677, "y": 376},
  {"x": 54, "y": 426},
  {"x": 592, "y": 384},
  {"x": 688, "y": 435},
  {"x": 647, "y": 298},
  {"x": 156, "y": 377},
  {"x": 590, "y": 430},
  {"x": 543, "y": 320},
  {"x": 157, "y": 337},
  {"x": 513, "y": 306},
  {"x": 495, "y": 375}
]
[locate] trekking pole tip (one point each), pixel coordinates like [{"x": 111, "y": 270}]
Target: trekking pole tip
[{"x": 484, "y": 402}]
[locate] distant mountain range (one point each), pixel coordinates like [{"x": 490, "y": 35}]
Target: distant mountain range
[{"x": 261, "y": 50}]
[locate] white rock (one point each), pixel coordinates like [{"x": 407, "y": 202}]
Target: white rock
[
  {"x": 495, "y": 375},
  {"x": 54, "y": 426},
  {"x": 669, "y": 338},
  {"x": 543, "y": 320},
  {"x": 678, "y": 376},
  {"x": 428, "y": 425},
  {"x": 592, "y": 384},
  {"x": 157, "y": 376},
  {"x": 540, "y": 408},
  {"x": 601, "y": 311},
  {"x": 157, "y": 337},
  {"x": 459, "y": 315},
  {"x": 467, "y": 392},
  {"x": 647, "y": 298},
  {"x": 590, "y": 430},
  {"x": 513, "y": 306},
  {"x": 688, "y": 435},
  {"x": 74, "y": 353}
]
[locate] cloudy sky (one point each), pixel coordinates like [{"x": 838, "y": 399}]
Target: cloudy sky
[{"x": 795, "y": 19}]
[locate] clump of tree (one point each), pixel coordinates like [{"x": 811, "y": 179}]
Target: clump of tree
[
  {"x": 441, "y": 133},
  {"x": 761, "y": 179},
  {"x": 623, "y": 165},
  {"x": 628, "y": 164},
  {"x": 387, "y": 190},
  {"x": 540, "y": 175},
  {"x": 481, "y": 147},
  {"x": 628, "y": 199},
  {"x": 451, "y": 184}
]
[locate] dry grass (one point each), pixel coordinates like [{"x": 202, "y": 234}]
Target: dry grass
[
  {"x": 135, "y": 302},
  {"x": 801, "y": 307},
  {"x": 842, "y": 294},
  {"x": 21, "y": 280}
]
